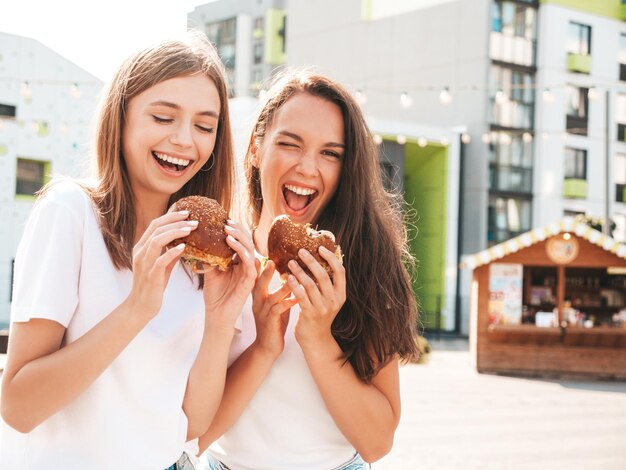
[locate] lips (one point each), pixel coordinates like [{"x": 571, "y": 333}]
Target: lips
[
  {"x": 298, "y": 198},
  {"x": 171, "y": 163}
]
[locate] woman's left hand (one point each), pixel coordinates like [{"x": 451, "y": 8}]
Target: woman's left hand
[
  {"x": 320, "y": 299},
  {"x": 225, "y": 292}
]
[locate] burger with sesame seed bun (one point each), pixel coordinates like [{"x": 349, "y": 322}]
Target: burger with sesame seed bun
[
  {"x": 207, "y": 243},
  {"x": 287, "y": 237}
]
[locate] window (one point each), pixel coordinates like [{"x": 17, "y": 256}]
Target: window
[
  {"x": 6, "y": 110},
  {"x": 31, "y": 175},
  {"x": 258, "y": 52},
  {"x": 389, "y": 174},
  {"x": 579, "y": 39},
  {"x": 223, "y": 35},
  {"x": 620, "y": 178},
  {"x": 622, "y": 57},
  {"x": 512, "y": 97},
  {"x": 575, "y": 164},
  {"x": 508, "y": 217},
  {"x": 577, "y": 105},
  {"x": 510, "y": 162},
  {"x": 513, "y": 32},
  {"x": 620, "y": 117}
]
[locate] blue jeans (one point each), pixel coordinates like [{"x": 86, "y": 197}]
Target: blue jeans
[
  {"x": 211, "y": 463},
  {"x": 182, "y": 464}
]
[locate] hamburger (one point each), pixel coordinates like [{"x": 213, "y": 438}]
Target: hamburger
[
  {"x": 287, "y": 237},
  {"x": 207, "y": 243}
]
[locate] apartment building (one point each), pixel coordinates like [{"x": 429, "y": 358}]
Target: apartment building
[
  {"x": 46, "y": 109},
  {"x": 249, "y": 36}
]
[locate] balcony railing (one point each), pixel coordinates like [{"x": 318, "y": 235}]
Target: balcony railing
[
  {"x": 578, "y": 63},
  {"x": 575, "y": 188}
]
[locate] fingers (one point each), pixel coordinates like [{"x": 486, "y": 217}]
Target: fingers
[
  {"x": 319, "y": 273},
  {"x": 299, "y": 291},
  {"x": 339, "y": 271},
  {"x": 241, "y": 234},
  {"x": 245, "y": 255},
  {"x": 169, "y": 218},
  {"x": 263, "y": 281}
]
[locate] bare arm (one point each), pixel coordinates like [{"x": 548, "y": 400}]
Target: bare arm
[
  {"x": 35, "y": 355},
  {"x": 366, "y": 413},
  {"x": 247, "y": 373}
]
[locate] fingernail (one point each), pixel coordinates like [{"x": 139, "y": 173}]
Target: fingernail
[
  {"x": 193, "y": 223},
  {"x": 230, "y": 221},
  {"x": 303, "y": 253},
  {"x": 186, "y": 229},
  {"x": 231, "y": 238},
  {"x": 229, "y": 228},
  {"x": 183, "y": 212},
  {"x": 293, "y": 264},
  {"x": 180, "y": 246}
]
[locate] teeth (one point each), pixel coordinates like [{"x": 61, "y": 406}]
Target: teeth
[
  {"x": 299, "y": 190},
  {"x": 175, "y": 161}
]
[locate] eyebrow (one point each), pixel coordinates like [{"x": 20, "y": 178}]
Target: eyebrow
[
  {"x": 177, "y": 107},
  {"x": 301, "y": 140}
]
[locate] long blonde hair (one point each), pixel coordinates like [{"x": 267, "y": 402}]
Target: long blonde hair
[
  {"x": 112, "y": 193},
  {"x": 379, "y": 319}
]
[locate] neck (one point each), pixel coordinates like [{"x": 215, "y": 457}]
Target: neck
[{"x": 260, "y": 235}]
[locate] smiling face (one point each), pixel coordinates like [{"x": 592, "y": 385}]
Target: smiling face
[
  {"x": 169, "y": 134},
  {"x": 300, "y": 158}
]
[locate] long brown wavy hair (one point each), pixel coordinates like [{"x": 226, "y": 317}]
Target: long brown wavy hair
[
  {"x": 112, "y": 192},
  {"x": 379, "y": 319}
]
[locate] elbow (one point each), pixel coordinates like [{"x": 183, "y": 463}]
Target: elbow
[
  {"x": 376, "y": 452},
  {"x": 15, "y": 418}
]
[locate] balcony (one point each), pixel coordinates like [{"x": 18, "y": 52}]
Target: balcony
[
  {"x": 621, "y": 132},
  {"x": 622, "y": 72},
  {"x": 574, "y": 188},
  {"x": 578, "y": 63},
  {"x": 576, "y": 125}
]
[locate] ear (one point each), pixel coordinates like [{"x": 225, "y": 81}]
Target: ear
[{"x": 254, "y": 154}]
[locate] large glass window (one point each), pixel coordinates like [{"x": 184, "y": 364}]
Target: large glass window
[
  {"x": 30, "y": 176},
  {"x": 512, "y": 97},
  {"x": 577, "y": 106},
  {"x": 579, "y": 39},
  {"x": 510, "y": 162},
  {"x": 7, "y": 110},
  {"x": 513, "y": 32},
  {"x": 620, "y": 178},
  {"x": 575, "y": 163},
  {"x": 622, "y": 57},
  {"x": 508, "y": 217},
  {"x": 620, "y": 117},
  {"x": 223, "y": 35}
]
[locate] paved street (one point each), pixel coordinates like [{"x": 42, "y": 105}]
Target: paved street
[{"x": 454, "y": 418}]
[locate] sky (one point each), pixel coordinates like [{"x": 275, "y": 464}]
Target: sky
[{"x": 96, "y": 35}]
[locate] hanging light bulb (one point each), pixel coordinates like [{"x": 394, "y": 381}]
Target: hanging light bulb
[
  {"x": 378, "y": 139},
  {"x": 360, "y": 97},
  {"x": 445, "y": 96},
  {"x": 422, "y": 142},
  {"x": 505, "y": 139},
  {"x": 466, "y": 138},
  {"x": 401, "y": 139},
  {"x": 547, "y": 96},
  {"x": 593, "y": 93},
  {"x": 26, "y": 91},
  {"x": 405, "y": 100},
  {"x": 75, "y": 91},
  {"x": 527, "y": 137}
]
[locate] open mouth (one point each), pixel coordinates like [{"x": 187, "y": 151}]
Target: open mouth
[
  {"x": 171, "y": 163},
  {"x": 298, "y": 198}
]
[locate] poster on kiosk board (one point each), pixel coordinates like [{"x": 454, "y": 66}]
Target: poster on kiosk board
[{"x": 505, "y": 293}]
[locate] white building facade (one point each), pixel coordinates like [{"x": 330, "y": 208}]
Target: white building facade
[{"x": 47, "y": 105}]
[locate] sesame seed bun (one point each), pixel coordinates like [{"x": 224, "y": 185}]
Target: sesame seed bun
[
  {"x": 287, "y": 237},
  {"x": 207, "y": 243}
]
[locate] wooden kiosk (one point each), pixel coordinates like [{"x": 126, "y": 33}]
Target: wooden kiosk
[{"x": 550, "y": 302}]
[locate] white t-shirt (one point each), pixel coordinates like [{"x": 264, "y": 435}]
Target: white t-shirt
[
  {"x": 131, "y": 416},
  {"x": 286, "y": 425}
]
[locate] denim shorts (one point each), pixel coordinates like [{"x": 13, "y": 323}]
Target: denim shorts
[
  {"x": 182, "y": 464},
  {"x": 211, "y": 463}
]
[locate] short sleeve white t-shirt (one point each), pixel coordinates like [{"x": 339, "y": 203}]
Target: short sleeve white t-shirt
[
  {"x": 131, "y": 416},
  {"x": 286, "y": 425}
]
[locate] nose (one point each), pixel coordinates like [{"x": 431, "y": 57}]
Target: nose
[
  {"x": 307, "y": 165},
  {"x": 181, "y": 135}
]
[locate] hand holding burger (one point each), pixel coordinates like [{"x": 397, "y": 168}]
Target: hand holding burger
[{"x": 207, "y": 243}]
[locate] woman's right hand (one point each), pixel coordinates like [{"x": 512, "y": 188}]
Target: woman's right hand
[
  {"x": 271, "y": 313},
  {"x": 153, "y": 264}
]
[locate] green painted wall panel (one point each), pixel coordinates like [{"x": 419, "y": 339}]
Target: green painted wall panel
[
  {"x": 610, "y": 8},
  {"x": 425, "y": 190}
]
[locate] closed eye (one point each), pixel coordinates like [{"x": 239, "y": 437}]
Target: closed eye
[
  {"x": 331, "y": 153},
  {"x": 287, "y": 144},
  {"x": 207, "y": 130},
  {"x": 162, "y": 120}
]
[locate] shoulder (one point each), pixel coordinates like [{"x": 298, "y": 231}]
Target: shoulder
[{"x": 66, "y": 193}]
